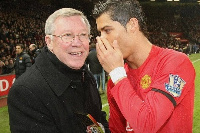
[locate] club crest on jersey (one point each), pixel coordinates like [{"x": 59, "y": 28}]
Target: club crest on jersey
[
  {"x": 175, "y": 85},
  {"x": 145, "y": 81},
  {"x": 128, "y": 128}
]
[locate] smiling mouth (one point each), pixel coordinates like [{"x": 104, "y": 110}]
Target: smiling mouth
[{"x": 76, "y": 53}]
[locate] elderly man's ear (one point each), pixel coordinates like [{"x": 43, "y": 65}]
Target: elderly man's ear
[{"x": 48, "y": 40}]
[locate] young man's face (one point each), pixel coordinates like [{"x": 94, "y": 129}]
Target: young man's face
[
  {"x": 71, "y": 52},
  {"x": 113, "y": 30},
  {"x": 18, "y": 50}
]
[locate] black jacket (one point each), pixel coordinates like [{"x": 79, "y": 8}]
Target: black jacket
[
  {"x": 34, "y": 54},
  {"x": 51, "y": 98},
  {"x": 22, "y": 63},
  {"x": 94, "y": 64}
]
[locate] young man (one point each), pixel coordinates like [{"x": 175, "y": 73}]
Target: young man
[
  {"x": 153, "y": 90},
  {"x": 22, "y": 61},
  {"x": 58, "y": 93}
]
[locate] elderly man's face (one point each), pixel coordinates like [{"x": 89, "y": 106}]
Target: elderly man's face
[{"x": 70, "y": 41}]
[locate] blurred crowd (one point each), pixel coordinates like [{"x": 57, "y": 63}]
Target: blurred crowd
[
  {"x": 24, "y": 23},
  {"x": 182, "y": 19}
]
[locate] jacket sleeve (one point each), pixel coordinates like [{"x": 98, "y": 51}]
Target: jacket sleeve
[
  {"x": 99, "y": 114},
  {"x": 28, "y": 61},
  {"x": 116, "y": 119},
  {"x": 26, "y": 112}
]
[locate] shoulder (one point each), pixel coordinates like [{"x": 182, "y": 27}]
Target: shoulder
[
  {"x": 30, "y": 80},
  {"x": 25, "y": 55},
  {"x": 168, "y": 61},
  {"x": 38, "y": 51},
  {"x": 171, "y": 57}
]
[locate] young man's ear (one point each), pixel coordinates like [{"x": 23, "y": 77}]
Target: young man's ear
[
  {"x": 48, "y": 40},
  {"x": 132, "y": 25}
]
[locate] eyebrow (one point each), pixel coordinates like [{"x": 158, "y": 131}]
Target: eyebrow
[{"x": 103, "y": 28}]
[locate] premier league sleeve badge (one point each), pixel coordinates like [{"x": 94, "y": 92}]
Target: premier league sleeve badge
[{"x": 175, "y": 85}]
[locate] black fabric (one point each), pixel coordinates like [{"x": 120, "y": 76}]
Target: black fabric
[
  {"x": 34, "y": 54},
  {"x": 94, "y": 64},
  {"x": 22, "y": 63},
  {"x": 167, "y": 95},
  {"x": 48, "y": 99}
]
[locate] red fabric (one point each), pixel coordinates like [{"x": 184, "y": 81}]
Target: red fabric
[{"x": 146, "y": 111}]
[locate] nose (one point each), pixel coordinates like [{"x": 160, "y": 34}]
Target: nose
[{"x": 76, "y": 41}]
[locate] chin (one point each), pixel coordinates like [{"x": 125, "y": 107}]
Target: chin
[{"x": 76, "y": 67}]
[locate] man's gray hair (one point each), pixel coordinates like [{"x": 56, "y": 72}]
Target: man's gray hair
[{"x": 64, "y": 12}]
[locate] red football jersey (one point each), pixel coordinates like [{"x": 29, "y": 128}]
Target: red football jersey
[{"x": 158, "y": 97}]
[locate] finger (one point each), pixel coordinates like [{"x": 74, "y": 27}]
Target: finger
[
  {"x": 98, "y": 49},
  {"x": 99, "y": 53},
  {"x": 106, "y": 43},
  {"x": 101, "y": 45}
]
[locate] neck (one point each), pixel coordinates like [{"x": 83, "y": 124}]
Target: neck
[{"x": 140, "y": 54}]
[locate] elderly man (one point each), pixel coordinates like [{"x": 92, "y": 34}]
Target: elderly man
[{"x": 58, "y": 94}]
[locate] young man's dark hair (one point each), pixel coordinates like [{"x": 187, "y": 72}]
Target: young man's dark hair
[{"x": 122, "y": 11}]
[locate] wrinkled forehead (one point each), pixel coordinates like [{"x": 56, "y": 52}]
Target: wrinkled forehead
[{"x": 70, "y": 23}]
